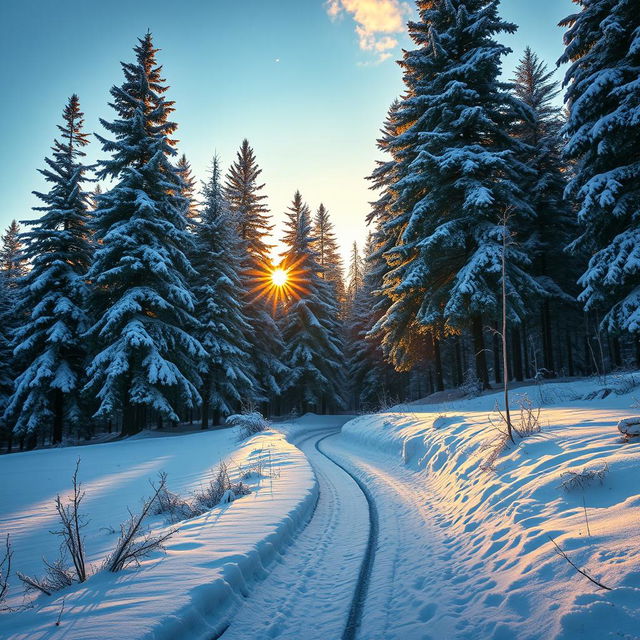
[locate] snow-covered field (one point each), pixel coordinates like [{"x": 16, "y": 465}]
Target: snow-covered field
[
  {"x": 479, "y": 561},
  {"x": 462, "y": 537},
  {"x": 187, "y": 592}
]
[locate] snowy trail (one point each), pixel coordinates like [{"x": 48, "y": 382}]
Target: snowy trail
[{"x": 310, "y": 593}]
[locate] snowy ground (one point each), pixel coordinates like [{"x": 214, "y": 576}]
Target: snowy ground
[
  {"x": 464, "y": 552},
  {"x": 190, "y": 591},
  {"x": 444, "y": 545}
]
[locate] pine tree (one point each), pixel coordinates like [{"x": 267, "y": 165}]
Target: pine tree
[
  {"x": 313, "y": 350},
  {"x": 456, "y": 174},
  {"x": 328, "y": 253},
  {"x": 6, "y": 359},
  {"x": 243, "y": 192},
  {"x": 188, "y": 189},
  {"x": 145, "y": 357},
  {"x": 49, "y": 344},
  {"x": 355, "y": 277},
  {"x": 227, "y": 376},
  {"x": 603, "y": 94},
  {"x": 12, "y": 259}
]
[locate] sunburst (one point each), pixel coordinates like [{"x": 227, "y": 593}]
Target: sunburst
[{"x": 279, "y": 283}]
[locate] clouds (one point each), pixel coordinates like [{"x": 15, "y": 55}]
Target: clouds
[{"x": 377, "y": 22}]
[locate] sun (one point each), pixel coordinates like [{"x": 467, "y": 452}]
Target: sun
[
  {"x": 279, "y": 284},
  {"x": 279, "y": 277}
]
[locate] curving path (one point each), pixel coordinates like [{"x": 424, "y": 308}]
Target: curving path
[{"x": 318, "y": 589}]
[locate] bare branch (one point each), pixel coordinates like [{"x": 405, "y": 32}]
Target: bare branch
[{"x": 562, "y": 554}]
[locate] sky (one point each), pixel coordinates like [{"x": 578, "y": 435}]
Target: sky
[{"x": 308, "y": 82}]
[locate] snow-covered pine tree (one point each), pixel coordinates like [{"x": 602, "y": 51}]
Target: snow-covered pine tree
[
  {"x": 6, "y": 360},
  {"x": 49, "y": 348},
  {"x": 188, "y": 189},
  {"x": 603, "y": 130},
  {"x": 310, "y": 328},
  {"x": 355, "y": 276},
  {"x": 12, "y": 260},
  {"x": 144, "y": 357},
  {"x": 223, "y": 327},
  {"x": 243, "y": 192},
  {"x": 553, "y": 225},
  {"x": 328, "y": 253},
  {"x": 457, "y": 174}
]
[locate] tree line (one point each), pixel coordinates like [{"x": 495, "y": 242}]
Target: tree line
[
  {"x": 471, "y": 160},
  {"x": 150, "y": 303}
]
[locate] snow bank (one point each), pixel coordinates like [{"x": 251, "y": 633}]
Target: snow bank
[
  {"x": 501, "y": 519},
  {"x": 209, "y": 564}
]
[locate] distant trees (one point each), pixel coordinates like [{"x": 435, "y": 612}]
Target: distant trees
[
  {"x": 243, "y": 192},
  {"x": 223, "y": 329},
  {"x": 49, "y": 345},
  {"x": 310, "y": 327},
  {"x": 144, "y": 300}
]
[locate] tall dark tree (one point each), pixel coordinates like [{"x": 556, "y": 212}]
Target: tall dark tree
[
  {"x": 49, "y": 345},
  {"x": 553, "y": 224},
  {"x": 603, "y": 95},
  {"x": 6, "y": 359},
  {"x": 457, "y": 174},
  {"x": 144, "y": 359},
  {"x": 222, "y": 326},
  {"x": 313, "y": 350},
  {"x": 243, "y": 191},
  {"x": 188, "y": 189},
  {"x": 355, "y": 276}
]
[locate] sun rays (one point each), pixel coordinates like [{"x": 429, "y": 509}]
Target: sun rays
[{"x": 279, "y": 284}]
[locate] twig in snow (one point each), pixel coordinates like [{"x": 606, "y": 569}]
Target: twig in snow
[
  {"x": 5, "y": 569},
  {"x": 60, "y": 614},
  {"x": 586, "y": 517},
  {"x": 562, "y": 554}
]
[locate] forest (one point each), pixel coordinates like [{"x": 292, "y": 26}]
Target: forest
[{"x": 504, "y": 240}]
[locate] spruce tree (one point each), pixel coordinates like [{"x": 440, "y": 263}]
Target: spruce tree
[
  {"x": 328, "y": 253},
  {"x": 188, "y": 189},
  {"x": 355, "y": 277},
  {"x": 12, "y": 259},
  {"x": 603, "y": 131},
  {"x": 456, "y": 176},
  {"x": 6, "y": 359},
  {"x": 49, "y": 345},
  {"x": 313, "y": 349},
  {"x": 144, "y": 357},
  {"x": 243, "y": 192},
  {"x": 553, "y": 224},
  {"x": 223, "y": 327}
]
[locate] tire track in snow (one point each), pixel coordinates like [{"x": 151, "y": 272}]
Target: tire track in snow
[
  {"x": 320, "y": 582},
  {"x": 364, "y": 576}
]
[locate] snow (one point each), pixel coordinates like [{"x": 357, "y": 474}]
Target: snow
[
  {"x": 477, "y": 560},
  {"x": 209, "y": 564}
]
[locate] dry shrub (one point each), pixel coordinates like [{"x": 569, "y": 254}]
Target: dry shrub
[
  {"x": 5, "y": 570},
  {"x": 136, "y": 542},
  {"x": 218, "y": 489},
  {"x": 248, "y": 424},
  {"x": 571, "y": 480}
]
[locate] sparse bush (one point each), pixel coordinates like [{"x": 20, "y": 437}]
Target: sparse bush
[
  {"x": 72, "y": 524},
  {"x": 217, "y": 489},
  {"x": 136, "y": 543},
  {"x": 571, "y": 480},
  {"x": 58, "y": 576},
  {"x": 528, "y": 423},
  {"x": 248, "y": 424},
  {"x": 171, "y": 504},
  {"x": 5, "y": 570}
]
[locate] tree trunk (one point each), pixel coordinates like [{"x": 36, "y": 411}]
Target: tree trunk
[
  {"x": 438, "y": 362},
  {"x": 516, "y": 347},
  {"x": 204, "y": 415},
  {"x": 570, "y": 355},
  {"x": 480, "y": 354},
  {"x": 58, "y": 416},
  {"x": 525, "y": 350},
  {"x": 547, "y": 338},
  {"x": 496, "y": 354},
  {"x": 459, "y": 367}
]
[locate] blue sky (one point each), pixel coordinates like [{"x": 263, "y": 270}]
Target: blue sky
[{"x": 308, "y": 89}]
